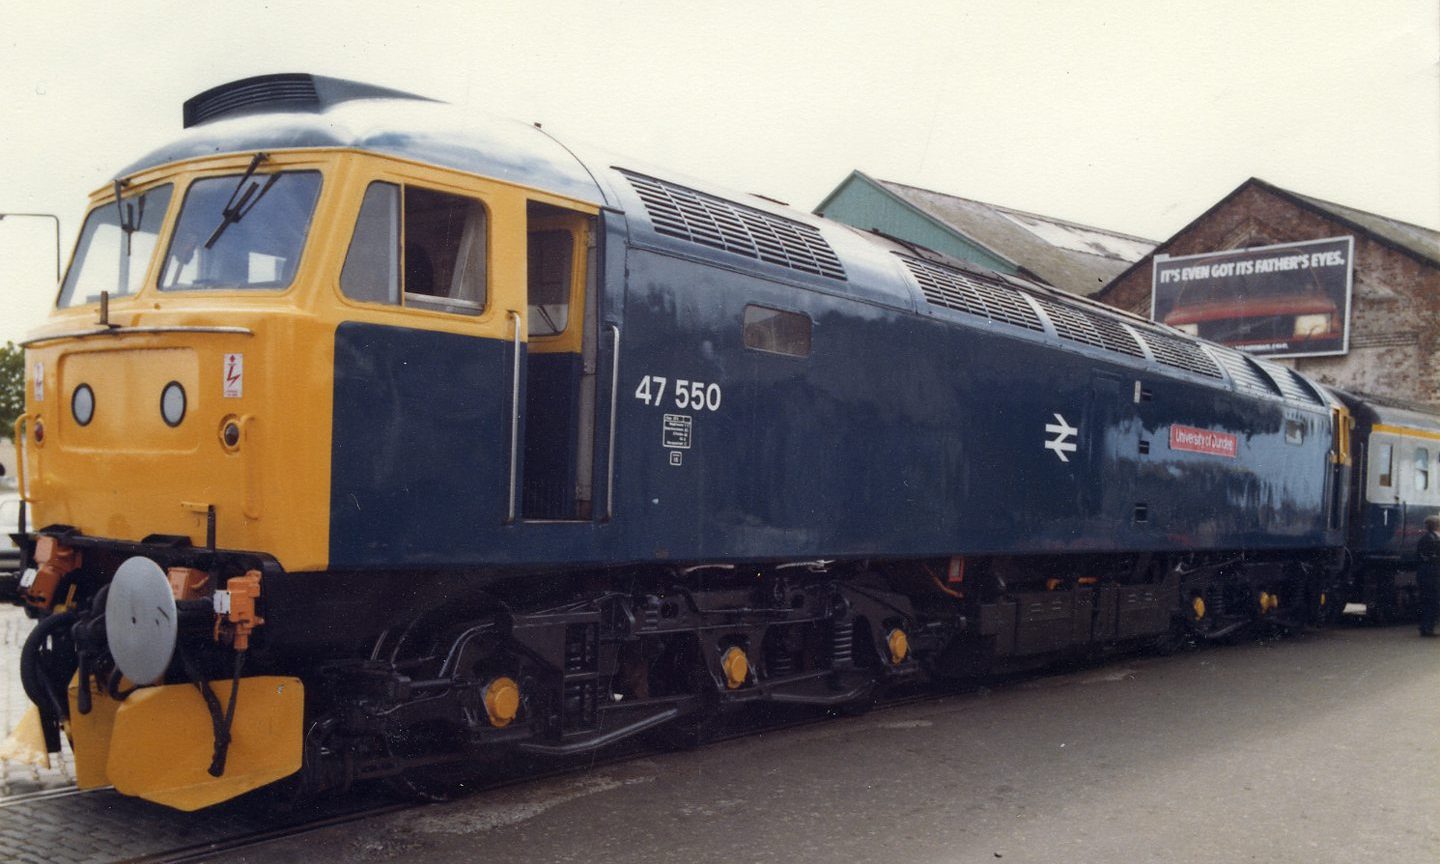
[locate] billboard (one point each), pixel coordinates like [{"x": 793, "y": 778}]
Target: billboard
[{"x": 1287, "y": 300}]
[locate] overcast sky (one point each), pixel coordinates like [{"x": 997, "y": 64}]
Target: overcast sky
[{"x": 1134, "y": 116}]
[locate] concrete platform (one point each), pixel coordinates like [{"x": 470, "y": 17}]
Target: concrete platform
[{"x": 1319, "y": 748}]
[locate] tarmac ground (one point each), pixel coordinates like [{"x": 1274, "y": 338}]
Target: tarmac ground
[{"x": 1323, "y": 747}]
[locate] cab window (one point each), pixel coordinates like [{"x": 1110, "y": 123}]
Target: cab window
[
  {"x": 549, "y": 269},
  {"x": 115, "y": 247},
  {"x": 419, "y": 247},
  {"x": 241, "y": 232},
  {"x": 1384, "y": 459}
]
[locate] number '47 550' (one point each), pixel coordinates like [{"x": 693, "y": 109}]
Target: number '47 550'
[{"x": 695, "y": 395}]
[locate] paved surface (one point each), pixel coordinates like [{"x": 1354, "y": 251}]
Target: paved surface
[
  {"x": 22, "y": 778},
  {"x": 1314, "y": 749},
  {"x": 1323, "y": 748}
]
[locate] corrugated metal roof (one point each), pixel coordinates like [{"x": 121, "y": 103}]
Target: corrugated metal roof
[{"x": 1076, "y": 258}]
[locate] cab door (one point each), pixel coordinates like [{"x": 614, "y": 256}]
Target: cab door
[{"x": 557, "y": 449}]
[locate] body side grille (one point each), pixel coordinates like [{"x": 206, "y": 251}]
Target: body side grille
[
  {"x": 1246, "y": 375},
  {"x": 963, "y": 292},
  {"x": 1180, "y": 354},
  {"x": 676, "y": 211}
]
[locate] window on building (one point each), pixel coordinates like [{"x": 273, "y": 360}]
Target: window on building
[{"x": 777, "y": 331}]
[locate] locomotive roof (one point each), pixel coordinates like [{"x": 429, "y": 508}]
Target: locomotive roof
[
  {"x": 395, "y": 124},
  {"x": 296, "y": 111}
]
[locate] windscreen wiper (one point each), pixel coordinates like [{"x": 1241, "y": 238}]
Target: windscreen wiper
[
  {"x": 241, "y": 203},
  {"x": 129, "y": 222}
]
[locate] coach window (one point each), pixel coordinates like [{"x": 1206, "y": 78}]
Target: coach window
[
  {"x": 777, "y": 331},
  {"x": 1422, "y": 469},
  {"x": 1384, "y": 460},
  {"x": 442, "y": 262}
]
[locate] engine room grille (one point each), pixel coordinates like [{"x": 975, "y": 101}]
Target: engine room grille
[
  {"x": 1291, "y": 385},
  {"x": 680, "y": 212},
  {"x": 1246, "y": 375},
  {"x": 1080, "y": 325},
  {"x": 952, "y": 289},
  {"x": 295, "y": 88},
  {"x": 1176, "y": 352}
]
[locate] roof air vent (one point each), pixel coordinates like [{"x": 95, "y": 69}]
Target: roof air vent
[{"x": 289, "y": 91}]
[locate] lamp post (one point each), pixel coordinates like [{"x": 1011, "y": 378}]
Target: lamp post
[{"x": 57, "y": 235}]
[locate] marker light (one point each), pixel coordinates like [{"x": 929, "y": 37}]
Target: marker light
[
  {"x": 172, "y": 404},
  {"x": 82, "y": 404}
]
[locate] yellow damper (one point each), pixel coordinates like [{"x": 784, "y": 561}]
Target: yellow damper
[
  {"x": 1197, "y": 606},
  {"x": 899, "y": 645},
  {"x": 736, "y": 666},
  {"x": 162, "y": 742},
  {"x": 502, "y": 701}
]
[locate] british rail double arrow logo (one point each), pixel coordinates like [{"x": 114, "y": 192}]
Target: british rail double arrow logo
[{"x": 1061, "y": 443}]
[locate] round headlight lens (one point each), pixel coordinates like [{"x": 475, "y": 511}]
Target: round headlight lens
[
  {"x": 172, "y": 403},
  {"x": 82, "y": 404}
]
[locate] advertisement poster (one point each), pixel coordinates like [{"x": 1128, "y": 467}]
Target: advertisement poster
[{"x": 1287, "y": 300}]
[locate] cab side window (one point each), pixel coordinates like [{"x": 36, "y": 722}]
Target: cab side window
[
  {"x": 549, "y": 274},
  {"x": 444, "y": 259},
  {"x": 1384, "y": 459},
  {"x": 372, "y": 266}
]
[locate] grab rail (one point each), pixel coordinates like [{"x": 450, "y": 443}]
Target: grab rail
[
  {"x": 514, "y": 418},
  {"x": 20, "y": 449},
  {"x": 614, "y": 396}
]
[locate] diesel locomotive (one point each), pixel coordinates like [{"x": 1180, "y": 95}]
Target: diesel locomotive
[{"x": 370, "y": 438}]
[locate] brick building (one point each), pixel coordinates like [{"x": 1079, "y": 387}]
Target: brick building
[{"x": 1394, "y": 345}]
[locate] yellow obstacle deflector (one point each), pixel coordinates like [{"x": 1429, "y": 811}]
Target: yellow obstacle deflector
[
  {"x": 90, "y": 734},
  {"x": 26, "y": 744},
  {"x": 158, "y": 744}
]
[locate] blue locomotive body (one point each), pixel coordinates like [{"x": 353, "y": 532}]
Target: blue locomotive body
[
  {"x": 903, "y": 429},
  {"x": 716, "y": 453}
]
